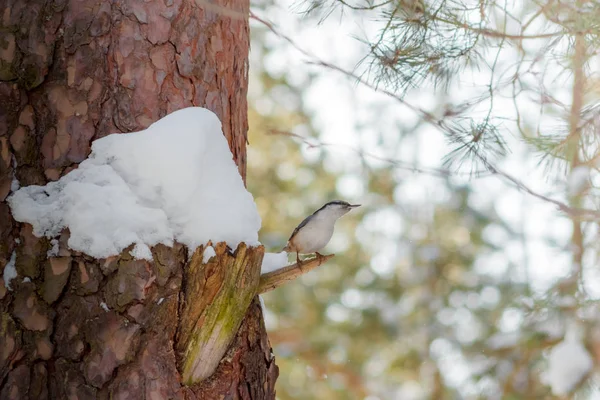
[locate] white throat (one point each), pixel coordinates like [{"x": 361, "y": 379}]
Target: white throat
[{"x": 330, "y": 215}]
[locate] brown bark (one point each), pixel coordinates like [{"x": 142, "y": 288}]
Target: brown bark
[
  {"x": 72, "y": 71},
  {"x": 214, "y": 300},
  {"x": 274, "y": 279}
]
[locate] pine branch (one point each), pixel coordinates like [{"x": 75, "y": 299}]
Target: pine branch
[{"x": 439, "y": 123}]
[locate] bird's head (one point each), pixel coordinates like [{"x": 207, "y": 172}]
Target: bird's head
[{"x": 337, "y": 208}]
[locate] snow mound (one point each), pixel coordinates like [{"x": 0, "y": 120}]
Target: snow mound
[{"x": 175, "y": 180}]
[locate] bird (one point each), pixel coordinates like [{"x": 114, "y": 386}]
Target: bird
[{"x": 317, "y": 229}]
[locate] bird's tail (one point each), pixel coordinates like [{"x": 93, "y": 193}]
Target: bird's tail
[{"x": 286, "y": 248}]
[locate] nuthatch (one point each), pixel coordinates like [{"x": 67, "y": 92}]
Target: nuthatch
[{"x": 317, "y": 229}]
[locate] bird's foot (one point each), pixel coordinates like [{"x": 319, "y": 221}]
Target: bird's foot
[
  {"x": 319, "y": 256},
  {"x": 298, "y": 262}
]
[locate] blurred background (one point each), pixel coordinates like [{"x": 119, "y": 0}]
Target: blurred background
[{"x": 469, "y": 132}]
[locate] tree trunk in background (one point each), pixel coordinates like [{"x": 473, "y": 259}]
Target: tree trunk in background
[{"x": 70, "y": 72}]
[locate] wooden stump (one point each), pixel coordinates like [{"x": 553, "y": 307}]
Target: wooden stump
[{"x": 216, "y": 296}]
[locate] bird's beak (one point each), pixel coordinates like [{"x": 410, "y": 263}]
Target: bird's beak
[{"x": 354, "y": 205}]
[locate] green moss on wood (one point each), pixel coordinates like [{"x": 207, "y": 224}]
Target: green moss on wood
[{"x": 216, "y": 297}]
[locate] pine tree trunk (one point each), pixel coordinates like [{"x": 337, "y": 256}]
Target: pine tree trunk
[{"x": 75, "y": 327}]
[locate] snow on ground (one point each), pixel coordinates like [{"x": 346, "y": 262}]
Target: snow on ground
[
  {"x": 568, "y": 363},
  {"x": 10, "y": 272},
  {"x": 273, "y": 261},
  {"x": 175, "y": 180}
]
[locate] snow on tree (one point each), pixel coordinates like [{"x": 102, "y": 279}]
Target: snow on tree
[
  {"x": 121, "y": 325},
  {"x": 174, "y": 181}
]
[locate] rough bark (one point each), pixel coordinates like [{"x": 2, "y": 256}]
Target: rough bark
[
  {"x": 215, "y": 297},
  {"x": 72, "y": 71}
]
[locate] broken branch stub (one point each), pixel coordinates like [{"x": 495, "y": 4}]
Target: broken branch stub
[{"x": 215, "y": 298}]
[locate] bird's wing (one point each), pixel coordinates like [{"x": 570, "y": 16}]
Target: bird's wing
[{"x": 302, "y": 224}]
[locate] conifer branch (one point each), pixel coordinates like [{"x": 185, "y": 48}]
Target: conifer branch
[{"x": 441, "y": 124}]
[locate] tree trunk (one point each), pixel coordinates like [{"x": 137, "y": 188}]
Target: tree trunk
[{"x": 75, "y": 327}]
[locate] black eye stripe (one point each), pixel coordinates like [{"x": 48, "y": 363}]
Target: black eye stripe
[{"x": 338, "y": 202}]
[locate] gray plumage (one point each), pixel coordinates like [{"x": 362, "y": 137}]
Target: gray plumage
[{"x": 315, "y": 231}]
